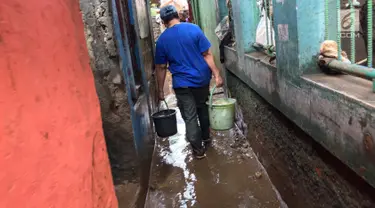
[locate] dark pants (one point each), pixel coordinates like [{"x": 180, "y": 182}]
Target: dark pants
[{"x": 192, "y": 104}]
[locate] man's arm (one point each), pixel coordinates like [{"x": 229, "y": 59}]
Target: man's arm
[
  {"x": 161, "y": 71},
  {"x": 204, "y": 46},
  {"x": 209, "y": 58},
  {"x": 161, "y": 61}
]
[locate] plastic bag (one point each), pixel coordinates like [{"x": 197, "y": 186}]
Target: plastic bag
[
  {"x": 222, "y": 28},
  {"x": 261, "y": 35}
]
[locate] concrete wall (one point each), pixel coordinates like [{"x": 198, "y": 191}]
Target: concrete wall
[
  {"x": 52, "y": 148},
  {"x": 336, "y": 112},
  {"x": 336, "y": 119},
  {"x": 305, "y": 174},
  {"x": 126, "y": 122},
  {"x": 208, "y": 19},
  {"x": 109, "y": 83}
]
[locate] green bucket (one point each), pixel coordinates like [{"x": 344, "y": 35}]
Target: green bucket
[{"x": 221, "y": 112}]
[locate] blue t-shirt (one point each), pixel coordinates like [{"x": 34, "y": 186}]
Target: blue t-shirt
[{"x": 181, "y": 46}]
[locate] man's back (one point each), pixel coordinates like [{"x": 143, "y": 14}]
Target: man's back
[
  {"x": 181, "y": 46},
  {"x": 186, "y": 49}
]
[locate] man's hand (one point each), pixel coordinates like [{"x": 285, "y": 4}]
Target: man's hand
[
  {"x": 160, "y": 95},
  {"x": 209, "y": 58},
  {"x": 219, "y": 81}
]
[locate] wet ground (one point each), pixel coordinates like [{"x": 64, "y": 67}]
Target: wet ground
[
  {"x": 230, "y": 175},
  {"x": 303, "y": 172}
]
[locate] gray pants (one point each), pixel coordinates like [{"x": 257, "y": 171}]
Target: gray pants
[{"x": 192, "y": 104}]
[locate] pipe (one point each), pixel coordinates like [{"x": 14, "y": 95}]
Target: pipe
[
  {"x": 352, "y": 32},
  {"x": 338, "y": 24},
  {"x": 326, "y": 17},
  {"x": 369, "y": 33},
  {"x": 266, "y": 19},
  {"x": 353, "y": 69},
  {"x": 270, "y": 15},
  {"x": 126, "y": 65}
]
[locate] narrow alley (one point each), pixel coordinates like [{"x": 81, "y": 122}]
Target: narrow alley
[
  {"x": 81, "y": 83},
  {"x": 231, "y": 176}
]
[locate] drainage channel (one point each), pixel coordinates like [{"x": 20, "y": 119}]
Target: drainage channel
[{"x": 305, "y": 174}]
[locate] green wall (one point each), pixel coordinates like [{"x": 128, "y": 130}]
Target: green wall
[{"x": 207, "y": 19}]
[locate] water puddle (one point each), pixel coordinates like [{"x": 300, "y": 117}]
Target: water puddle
[
  {"x": 230, "y": 176},
  {"x": 176, "y": 154}
]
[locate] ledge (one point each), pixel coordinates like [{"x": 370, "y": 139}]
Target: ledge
[
  {"x": 337, "y": 111},
  {"x": 348, "y": 85}
]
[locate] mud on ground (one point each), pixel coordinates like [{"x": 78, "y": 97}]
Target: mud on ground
[
  {"x": 230, "y": 176},
  {"x": 294, "y": 161}
]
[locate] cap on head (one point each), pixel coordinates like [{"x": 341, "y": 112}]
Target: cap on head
[{"x": 167, "y": 11}]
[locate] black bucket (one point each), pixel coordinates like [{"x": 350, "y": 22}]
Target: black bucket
[{"x": 165, "y": 122}]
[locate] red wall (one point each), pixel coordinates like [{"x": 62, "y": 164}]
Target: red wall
[{"x": 52, "y": 149}]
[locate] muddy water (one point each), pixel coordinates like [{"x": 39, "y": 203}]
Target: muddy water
[{"x": 230, "y": 176}]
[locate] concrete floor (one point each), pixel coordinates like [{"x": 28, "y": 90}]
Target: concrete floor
[{"x": 230, "y": 176}]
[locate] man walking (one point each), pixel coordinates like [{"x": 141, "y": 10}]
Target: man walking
[{"x": 186, "y": 50}]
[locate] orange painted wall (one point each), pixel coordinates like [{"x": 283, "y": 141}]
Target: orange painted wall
[{"x": 52, "y": 149}]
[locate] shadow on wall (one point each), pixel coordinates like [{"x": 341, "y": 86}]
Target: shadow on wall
[{"x": 110, "y": 87}]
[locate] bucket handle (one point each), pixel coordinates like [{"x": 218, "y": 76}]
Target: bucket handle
[
  {"x": 211, "y": 95},
  {"x": 165, "y": 102}
]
